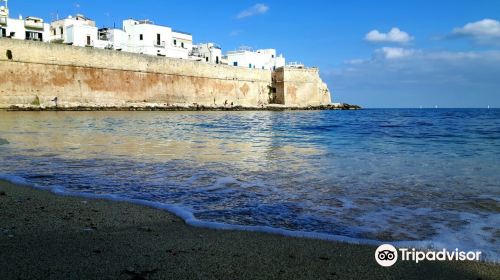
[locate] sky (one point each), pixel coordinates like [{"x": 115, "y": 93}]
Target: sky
[{"x": 378, "y": 53}]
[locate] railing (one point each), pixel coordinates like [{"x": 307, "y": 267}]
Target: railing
[
  {"x": 159, "y": 44},
  {"x": 295, "y": 64},
  {"x": 33, "y": 24}
]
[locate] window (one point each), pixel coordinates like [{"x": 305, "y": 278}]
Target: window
[
  {"x": 272, "y": 56},
  {"x": 141, "y": 37},
  {"x": 235, "y": 63},
  {"x": 206, "y": 59},
  {"x": 88, "y": 40},
  {"x": 62, "y": 30},
  {"x": 54, "y": 32},
  {"x": 182, "y": 44},
  {"x": 35, "y": 36},
  {"x": 250, "y": 65},
  {"x": 158, "y": 39},
  {"x": 175, "y": 42}
]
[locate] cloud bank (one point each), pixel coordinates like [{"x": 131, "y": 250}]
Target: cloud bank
[
  {"x": 395, "y": 35},
  {"x": 257, "y": 9},
  {"x": 397, "y": 77}
]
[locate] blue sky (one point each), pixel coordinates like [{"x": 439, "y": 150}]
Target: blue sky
[{"x": 444, "y": 53}]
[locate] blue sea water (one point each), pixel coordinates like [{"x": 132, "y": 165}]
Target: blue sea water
[{"x": 420, "y": 177}]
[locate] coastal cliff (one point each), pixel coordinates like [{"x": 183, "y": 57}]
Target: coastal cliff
[{"x": 43, "y": 75}]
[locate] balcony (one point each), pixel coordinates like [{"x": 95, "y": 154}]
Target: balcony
[
  {"x": 159, "y": 44},
  {"x": 3, "y": 20},
  {"x": 33, "y": 24}
]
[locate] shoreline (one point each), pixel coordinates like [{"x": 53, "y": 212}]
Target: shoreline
[
  {"x": 156, "y": 107},
  {"x": 67, "y": 235}
]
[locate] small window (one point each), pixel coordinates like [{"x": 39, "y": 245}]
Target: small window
[
  {"x": 262, "y": 67},
  {"x": 141, "y": 37},
  {"x": 54, "y": 32},
  {"x": 182, "y": 44},
  {"x": 206, "y": 59},
  {"x": 272, "y": 56},
  {"x": 158, "y": 39},
  {"x": 88, "y": 41},
  {"x": 175, "y": 42},
  {"x": 250, "y": 65},
  {"x": 235, "y": 63},
  {"x": 62, "y": 30}
]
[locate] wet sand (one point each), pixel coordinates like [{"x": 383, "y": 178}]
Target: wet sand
[{"x": 44, "y": 236}]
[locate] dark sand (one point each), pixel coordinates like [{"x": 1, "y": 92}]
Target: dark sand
[{"x": 43, "y": 236}]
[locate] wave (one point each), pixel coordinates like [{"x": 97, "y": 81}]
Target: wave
[{"x": 188, "y": 217}]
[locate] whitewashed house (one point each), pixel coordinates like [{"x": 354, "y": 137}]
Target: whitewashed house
[
  {"x": 182, "y": 44},
  {"x": 207, "y": 52},
  {"x": 112, "y": 39},
  {"x": 30, "y": 28},
  {"x": 147, "y": 38},
  {"x": 259, "y": 59},
  {"x": 77, "y": 31}
]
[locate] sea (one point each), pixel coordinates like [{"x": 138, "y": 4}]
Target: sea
[{"x": 425, "y": 178}]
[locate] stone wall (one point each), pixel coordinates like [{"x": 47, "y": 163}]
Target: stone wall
[
  {"x": 299, "y": 86},
  {"x": 36, "y": 73}
]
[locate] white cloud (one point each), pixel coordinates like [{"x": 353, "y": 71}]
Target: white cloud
[
  {"x": 422, "y": 78},
  {"x": 257, "y": 9},
  {"x": 485, "y": 27},
  {"x": 394, "y": 53},
  {"x": 395, "y": 35}
]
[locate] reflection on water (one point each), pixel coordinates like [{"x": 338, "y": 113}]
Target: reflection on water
[{"x": 427, "y": 175}]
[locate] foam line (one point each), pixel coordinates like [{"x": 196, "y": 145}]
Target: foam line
[{"x": 188, "y": 217}]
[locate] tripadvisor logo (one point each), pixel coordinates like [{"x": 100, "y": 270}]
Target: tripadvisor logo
[{"x": 387, "y": 255}]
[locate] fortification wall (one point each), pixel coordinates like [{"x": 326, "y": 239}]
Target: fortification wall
[
  {"x": 36, "y": 73},
  {"x": 296, "y": 86}
]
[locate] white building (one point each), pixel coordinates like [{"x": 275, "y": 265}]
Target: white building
[
  {"x": 30, "y": 28},
  {"x": 207, "y": 52},
  {"x": 259, "y": 59},
  {"x": 112, "y": 38},
  {"x": 77, "y": 31},
  {"x": 147, "y": 38}
]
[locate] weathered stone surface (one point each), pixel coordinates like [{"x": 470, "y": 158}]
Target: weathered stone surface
[{"x": 36, "y": 73}]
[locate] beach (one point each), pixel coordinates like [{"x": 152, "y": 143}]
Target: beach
[{"x": 44, "y": 236}]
